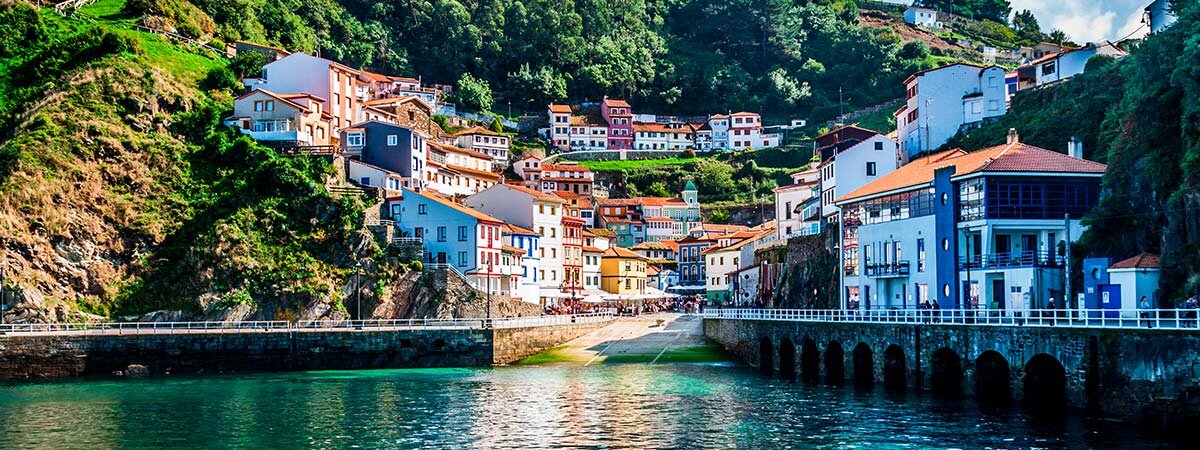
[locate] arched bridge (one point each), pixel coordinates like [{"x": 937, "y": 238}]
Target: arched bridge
[{"x": 1137, "y": 369}]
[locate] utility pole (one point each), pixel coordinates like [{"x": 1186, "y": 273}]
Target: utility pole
[
  {"x": 1067, "y": 262},
  {"x": 3, "y": 293},
  {"x": 358, "y": 287},
  {"x": 841, "y": 106}
]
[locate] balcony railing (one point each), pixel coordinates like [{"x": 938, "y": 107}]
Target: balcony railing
[
  {"x": 1012, "y": 259},
  {"x": 893, "y": 269}
]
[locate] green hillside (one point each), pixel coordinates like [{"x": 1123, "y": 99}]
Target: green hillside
[{"x": 122, "y": 193}]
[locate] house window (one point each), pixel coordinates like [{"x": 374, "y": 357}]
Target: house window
[
  {"x": 1048, "y": 68},
  {"x": 354, "y": 139},
  {"x": 879, "y": 146},
  {"x": 462, "y": 259},
  {"x": 993, "y": 105},
  {"x": 258, "y": 106},
  {"x": 871, "y": 168},
  {"x": 920, "y": 255},
  {"x": 421, "y": 209},
  {"x": 462, "y": 233},
  {"x": 441, "y": 234},
  {"x": 392, "y": 140},
  {"x": 270, "y": 105}
]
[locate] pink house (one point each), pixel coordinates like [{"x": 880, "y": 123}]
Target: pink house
[{"x": 619, "y": 115}]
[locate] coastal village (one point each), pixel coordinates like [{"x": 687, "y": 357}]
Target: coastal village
[{"x": 913, "y": 225}]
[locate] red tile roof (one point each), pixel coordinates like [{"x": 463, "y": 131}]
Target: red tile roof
[
  {"x": 562, "y": 109},
  {"x": 478, "y": 130},
  {"x": 618, "y": 252},
  {"x": 617, "y": 103},
  {"x": 457, "y": 207},
  {"x": 513, "y": 229},
  {"x": 475, "y": 172},
  {"x": 536, "y": 194},
  {"x": 1017, "y": 157},
  {"x": 1142, "y": 261}
]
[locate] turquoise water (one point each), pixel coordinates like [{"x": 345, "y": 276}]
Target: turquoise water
[{"x": 617, "y": 406}]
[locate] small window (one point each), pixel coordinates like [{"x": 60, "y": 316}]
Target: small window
[
  {"x": 421, "y": 209},
  {"x": 879, "y": 146},
  {"x": 392, "y": 140},
  {"x": 270, "y": 105},
  {"x": 871, "y": 168}
]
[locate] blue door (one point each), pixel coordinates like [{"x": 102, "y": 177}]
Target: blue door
[{"x": 1110, "y": 300}]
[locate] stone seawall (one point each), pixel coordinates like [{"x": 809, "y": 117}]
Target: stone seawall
[
  {"x": 1145, "y": 375},
  {"x": 513, "y": 344},
  {"x": 56, "y": 356}
]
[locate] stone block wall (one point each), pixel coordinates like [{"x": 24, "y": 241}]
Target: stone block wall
[
  {"x": 1145, "y": 375},
  {"x": 65, "y": 356},
  {"x": 513, "y": 344}
]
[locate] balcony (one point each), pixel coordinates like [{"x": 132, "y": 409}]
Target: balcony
[
  {"x": 888, "y": 270},
  {"x": 1012, "y": 260},
  {"x": 299, "y": 137}
]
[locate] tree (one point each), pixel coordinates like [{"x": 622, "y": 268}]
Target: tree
[
  {"x": 497, "y": 125},
  {"x": 1026, "y": 26},
  {"x": 248, "y": 64},
  {"x": 473, "y": 93},
  {"x": 657, "y": 189},
  {"x": 1057, "y": 36}
]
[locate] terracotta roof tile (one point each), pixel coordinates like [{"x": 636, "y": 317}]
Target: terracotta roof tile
[
  {"x": 457, "y": 207},
  {"x": 1142, "y": 261},
  {"x": 562, "y": 109},
  {"x": 1016, "y": 157},
  {"x": 618, "y": 252}
]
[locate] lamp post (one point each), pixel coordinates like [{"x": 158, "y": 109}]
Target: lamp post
[
  {"x": 488, "y": 314},
  {"x": 358, "y": 287},
  {"x": 3, "y": 293}
]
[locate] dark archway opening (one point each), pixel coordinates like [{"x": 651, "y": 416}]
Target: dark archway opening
[
  {"x": 787, "y": 359},
  {"x": 992, "y": 380},
  {"x": 895, "y": 374},
  {"x": 835, "y": 364},
  {"x": 864, "y": 365},
  {"x": 1045, "y": 385},
  {"x": 810, "y": 361},
  {"x": 766, "y": 356},
  {"x": 946, "y": 373}
]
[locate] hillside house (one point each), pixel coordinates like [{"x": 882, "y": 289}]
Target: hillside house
[
  {"x": 396, "y": 149},
  {"x": 454, "y": 234},
  {"x": 288, "y": 119},
  {"x": 940, "y": 102},
  {"x": 337, "y": 85}
]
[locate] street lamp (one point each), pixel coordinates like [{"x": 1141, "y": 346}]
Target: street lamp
[{"x": 358, "y": 287}]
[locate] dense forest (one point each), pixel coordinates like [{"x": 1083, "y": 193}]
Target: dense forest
[
  {"x": 783, "y": 57},
  {"x": 1140, "y": 115}
]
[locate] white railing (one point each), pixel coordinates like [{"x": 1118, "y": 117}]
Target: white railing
[
  {"x": 1067, "y": 318},
  {"x": 123, "y": 328}
]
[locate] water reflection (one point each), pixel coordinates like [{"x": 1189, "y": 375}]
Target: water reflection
[{"x": 662, "y": 406}]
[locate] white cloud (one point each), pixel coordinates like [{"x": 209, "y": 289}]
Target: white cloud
[{"x": 1087, "y": 20}]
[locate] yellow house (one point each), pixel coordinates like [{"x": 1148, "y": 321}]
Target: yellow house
[{"x": 622, "y": 272}]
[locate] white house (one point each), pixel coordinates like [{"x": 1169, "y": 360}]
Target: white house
[
  {"x": 921, "y": 17},
  {"x": 1062, "y": 65},
  {"x": 374, "y": 176},
  {"x": 718, "y": 132},
  {"x": 788, "y": 201},
  {"x": 484, "y": 141},
  {"x": 536, "y": 211},
  {"x": 458, "y": 171},
  {"x": 1137, "y": 277},
  {"x": 336, "y": 84},
  {"x": 850, "y": 158},
  {"x": 942, "y": 101},
  {"x": 746, "y": 131}
]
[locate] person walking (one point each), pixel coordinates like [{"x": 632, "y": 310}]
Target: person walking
[
  {"x": 1144, "y": 306},
  {"x": 1191, "y": 305},
  {"x": 937, "y": 311}
]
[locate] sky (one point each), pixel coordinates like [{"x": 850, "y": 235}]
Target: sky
[
  {"x": 1084, "y": 20},
  {"x": 1087, "y": 20}
]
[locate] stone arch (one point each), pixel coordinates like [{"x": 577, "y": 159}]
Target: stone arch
[
  {"x": 864, "y": 365},
  {"x": 787, "y": 359},
  {"x": 810, "y": 361},
  {"x": 766, "y": 356},
  {"x": 835, "y": 364},
  {"x": 946, "y": 373},
  {"x": 992, "y": 379},
  {"x": 895, "y": 374},
  {"x": 1045, "y": 384}
]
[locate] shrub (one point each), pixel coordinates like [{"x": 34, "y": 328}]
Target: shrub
[{"x": 416, "y": 265}]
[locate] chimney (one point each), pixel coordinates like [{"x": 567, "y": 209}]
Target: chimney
[
  {"x": 1013, "y": 137},
  {"x": 1075, "y": 148}
]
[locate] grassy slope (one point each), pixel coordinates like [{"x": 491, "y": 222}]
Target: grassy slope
[
  {"x": 122, "y": 195},
  {"x": 613, "y": 166}
]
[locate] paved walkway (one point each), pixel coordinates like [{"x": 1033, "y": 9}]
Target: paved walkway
[{"x": 647, "y": 339}]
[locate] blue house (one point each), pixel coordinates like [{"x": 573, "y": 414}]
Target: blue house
[
  {"x": 396, "y": 149},
  {"x": 692, "y": 276},
  {"x": 982, "y": 230},
  {"x": 453, "y": 234}
]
